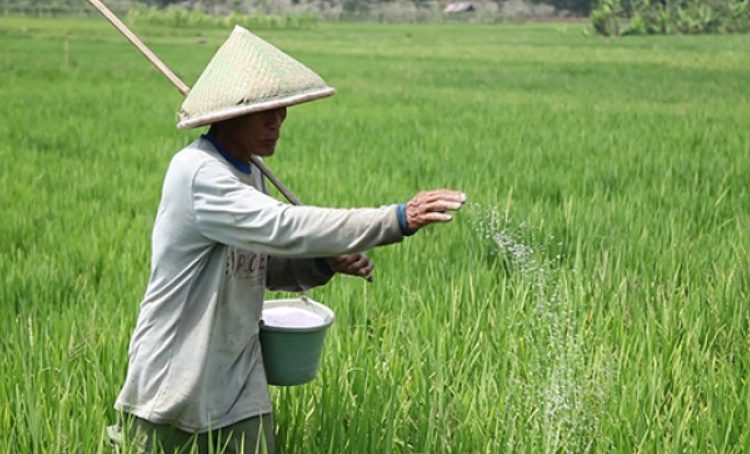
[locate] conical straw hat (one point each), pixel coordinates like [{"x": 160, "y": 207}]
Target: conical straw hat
[{"x": 247, "y": 75}]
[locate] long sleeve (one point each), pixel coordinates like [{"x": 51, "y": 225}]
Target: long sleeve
[
  {"x": 230, "y": 212},
  {"x": 295, "y": 275}
]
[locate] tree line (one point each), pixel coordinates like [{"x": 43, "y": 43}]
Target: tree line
[
  {"x": 608, "y": 17},
  {"x": 577, "y": 7},
  {"x": 651, "y": 17}
]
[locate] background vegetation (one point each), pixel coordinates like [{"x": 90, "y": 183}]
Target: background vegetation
[
  {"x": 649, "y": 17},
  {"x": 328, "y": 10},
  {"x": 592, "y": 298},
  {"x": 579, "y": 7},
  {"x": 608, "y": 17}
]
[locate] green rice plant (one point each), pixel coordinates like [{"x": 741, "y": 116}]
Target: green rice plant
[{"x": 592, "y": 299}]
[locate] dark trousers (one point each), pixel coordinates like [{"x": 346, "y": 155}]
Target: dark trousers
[{"x": 249, "y": 436}]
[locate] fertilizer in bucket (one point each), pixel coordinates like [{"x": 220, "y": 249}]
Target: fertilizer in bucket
[
  {"x": 291, "y": 338},
  {"x": 291, "y": 317}
]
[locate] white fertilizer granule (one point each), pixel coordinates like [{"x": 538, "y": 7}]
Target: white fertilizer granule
[{"x": 291, "y": 317}]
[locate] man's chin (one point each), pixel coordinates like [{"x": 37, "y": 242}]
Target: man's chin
[{"x": 265, "y": 152}]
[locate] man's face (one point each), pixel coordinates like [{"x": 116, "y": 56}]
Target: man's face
[{"x": 257, "y": 133}]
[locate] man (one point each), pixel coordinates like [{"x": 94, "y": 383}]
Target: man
[{"x": 195, "y": 375}]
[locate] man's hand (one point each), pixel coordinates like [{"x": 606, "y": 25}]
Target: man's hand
[
  {"x": 352, "y": 264},
  {"x": 431, "y": 206}
]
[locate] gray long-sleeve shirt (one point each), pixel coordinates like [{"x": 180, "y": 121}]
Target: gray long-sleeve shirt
[{"x": 217, "y": 243}]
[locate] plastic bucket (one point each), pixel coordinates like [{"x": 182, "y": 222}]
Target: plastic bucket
[{"x": 292, "y": 349}]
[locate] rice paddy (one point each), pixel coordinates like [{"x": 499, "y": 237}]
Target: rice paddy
[{"x": 592, "y": 297}]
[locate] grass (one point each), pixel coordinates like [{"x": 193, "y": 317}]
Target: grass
[{"x": 592, "y": 298}]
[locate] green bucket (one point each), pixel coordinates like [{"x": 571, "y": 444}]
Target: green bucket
[{"x": 292, "y": 349}]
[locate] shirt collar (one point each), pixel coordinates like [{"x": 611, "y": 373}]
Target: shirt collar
[{"x": 243, "y": 167}]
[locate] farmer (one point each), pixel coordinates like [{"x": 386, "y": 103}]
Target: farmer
[{"x": 195, "y": 374}]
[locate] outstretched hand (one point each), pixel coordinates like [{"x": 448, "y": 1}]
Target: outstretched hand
[
  {"x": 425, "y": 208},
  {"x": 430, "y": 206},
  {"x": 352, "y": 264}
]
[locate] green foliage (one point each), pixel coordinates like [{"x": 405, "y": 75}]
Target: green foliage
[
  {"x": 593, "y": 298},
  {"x": 648, "y": 19},
  {"x": 605, "y": 18},
  {"x": 679, "y": 16}
]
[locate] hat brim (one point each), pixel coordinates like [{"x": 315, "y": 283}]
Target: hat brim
[{"x": 237, "y": 111}]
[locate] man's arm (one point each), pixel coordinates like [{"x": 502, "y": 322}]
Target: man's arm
[
  {"x": 230, "y": 212},
  {"x": 297, "y": 275}
]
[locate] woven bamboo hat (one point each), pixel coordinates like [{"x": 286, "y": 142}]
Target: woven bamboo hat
[{"x": 248, "y": 75}]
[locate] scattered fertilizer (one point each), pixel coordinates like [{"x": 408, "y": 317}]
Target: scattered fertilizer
[
  {"x": 562, "y": 396},
  {"x": 291, "y": 317}
]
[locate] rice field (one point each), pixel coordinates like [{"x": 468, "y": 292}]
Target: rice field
[{"x": 592, "y": 297}]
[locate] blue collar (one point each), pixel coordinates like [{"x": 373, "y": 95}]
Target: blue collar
[{"x": 243, "y": 167}]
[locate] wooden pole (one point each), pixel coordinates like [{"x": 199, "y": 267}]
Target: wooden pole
[
  {"x": 183, "y": 88},
  {"x": 150, "y": 56}
]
